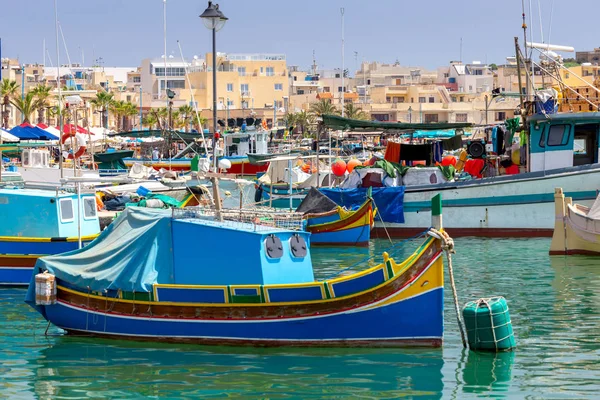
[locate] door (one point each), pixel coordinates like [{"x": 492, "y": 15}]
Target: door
[{"x": 585, "y": 146}]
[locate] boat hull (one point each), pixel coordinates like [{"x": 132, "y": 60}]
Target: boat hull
[
  {"x": 342, "y": 228},
  {"x": 574, "y": 231},
  {"x": 18, "y": 256},
  {"x": 511, "y": 207},
  {"x": 239, "y": 165},
  {"x": 385, "y": 306}
]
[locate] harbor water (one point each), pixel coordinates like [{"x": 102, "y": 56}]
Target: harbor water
[{"x": 554, "y": 304}]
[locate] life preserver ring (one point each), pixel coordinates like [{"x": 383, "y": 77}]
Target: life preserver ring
[
  {"x": 264, "y": 125},
  {"x": 81, "y": 144}
]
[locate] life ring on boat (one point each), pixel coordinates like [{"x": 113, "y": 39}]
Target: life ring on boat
[{"x": 81, "y": 144}]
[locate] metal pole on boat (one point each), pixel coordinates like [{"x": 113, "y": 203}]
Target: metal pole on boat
[
  {"x": 60, "y": 116},
  {"x": 74, "y": 126},
  {"x": 290, "y": 176},
  {"x": 87, "y": 123},
  {"x": 79, "y": 211}
]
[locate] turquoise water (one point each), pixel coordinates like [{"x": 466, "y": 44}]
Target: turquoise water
[{"x": 554, "y": 304}]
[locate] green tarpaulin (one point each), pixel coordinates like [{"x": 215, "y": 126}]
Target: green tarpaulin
[{"x": 337, "y": 122}]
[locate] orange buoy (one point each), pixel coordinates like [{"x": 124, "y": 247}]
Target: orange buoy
[{"x": 352, "y": 164}]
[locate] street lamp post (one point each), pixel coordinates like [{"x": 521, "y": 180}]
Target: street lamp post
[
  {"x": 214, "y": 20},
  {"x": 170, "y": 96},
  {"x": 410, "y": 114}
]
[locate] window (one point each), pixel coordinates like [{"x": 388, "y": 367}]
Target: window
[
  {"x": 421, "y": 99},
  {"x": 580, "y": 146},
  {"x": 242, "y": 71},
  {"x": 89, "y": 208},
  {"x": 295, "y": 78},
  {"x": 558, "y": 135},
  {"x": 432, "y": 100},
  {"x": 230, "y": 87},
  {"x": 368, "y": 81},
  {"x": 278, "y": 86},
  {"x": 278, "y": 103},
  {"x": 229, "y": 103},
  {"x": 388, "y": 99},
  {"x": 172, "y": 85},
  {"x": 270, "y": 71},
  {"x": 461, "y": 117},
  {"x": 429, "y": 118},
  {"x": 462, "y": 99},
  {"x": 381, "y": 117},
  {"x": 262, "y": 70},
  {"x": 470, "y": 88},
  {"x": 400, "y": 99},
  {"x": 244, "y": 104},
  {"x": 244, "y": 88},
  {"x": 137, "y": 79},
  {"x": 337, "y": 75},
  {"x": 171, "y": 71},
  {"x": 500, "y": 116},
  {"x": 300, "y": 91},
  {"x": 326, "y": 89},
  {"x": 66, "y": 210}
]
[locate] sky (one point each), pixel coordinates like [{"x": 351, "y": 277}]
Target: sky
[{"x": 416, "y": 33}]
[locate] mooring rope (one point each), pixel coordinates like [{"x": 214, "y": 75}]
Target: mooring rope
[{"x": 448, "y": 247}]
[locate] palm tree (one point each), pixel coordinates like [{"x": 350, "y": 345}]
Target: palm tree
[
  {"x": 8, "y": 89},
  {"x": 101, "y": 103},
  {"x": 186, "y": 112},
  {"x": 203, "y": 121},
  {"x": 26, "y": 105},
  {"x": 323, "y": 106},
  {"x": 160, "y": 115},
  {"x": 353, "y": 112},
  {"x": 303, "y": 120},
  {"x": 42, "y": 92},
  {"x": 129, "y": 110},
  {"x": 150, "y": 120},
  {"x": 119, "y": 109}
]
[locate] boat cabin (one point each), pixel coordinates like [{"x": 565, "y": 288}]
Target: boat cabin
[
  {"x": 208, "y": 252},
  {"x": 242, "y": 143},
  {"x": 35, "y": 158},
  {"x": 46, "y": 213},
  {"x": 563, "y": 140}
]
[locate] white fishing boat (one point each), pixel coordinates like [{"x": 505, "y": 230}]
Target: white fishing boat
[{"x": 576, "y": 227}]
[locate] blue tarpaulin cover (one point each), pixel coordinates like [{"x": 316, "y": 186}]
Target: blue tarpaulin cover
[
  {"x": 134, "y": 252},
  {"x": 32, "y": 133},
  {"x": 388, "y": 200}
]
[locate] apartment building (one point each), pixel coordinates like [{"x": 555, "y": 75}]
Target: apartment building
[{"x": 592, "y": 57}]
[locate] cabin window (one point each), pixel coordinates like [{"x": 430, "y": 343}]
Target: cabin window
[
  {"x": 89, "y": 208},
  {"x": 558, "y": 135},
  {"x": 273, "y": 247},
  {"x": 66, "y": 210}
]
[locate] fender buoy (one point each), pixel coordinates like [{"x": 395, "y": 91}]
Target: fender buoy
[
  {"x": 80, "y": 143},
  {"x": 258, "y": 194}
]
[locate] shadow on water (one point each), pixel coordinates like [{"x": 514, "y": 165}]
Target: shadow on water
[{"x": 74, "y": 367}]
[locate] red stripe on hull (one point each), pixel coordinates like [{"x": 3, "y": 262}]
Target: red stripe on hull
[
  {"x": 248, "y": 169},
  {"x": 274, "y": 343},
  {"x": 379, "y": 232},
  {"x": 17, "y": 262},
  {"x": 350, "y": 244}
]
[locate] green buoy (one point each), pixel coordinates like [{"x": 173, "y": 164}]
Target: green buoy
[{"x": 488, "y": 324}]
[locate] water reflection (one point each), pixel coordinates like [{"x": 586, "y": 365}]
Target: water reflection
[{"x": 129, "y": 369}]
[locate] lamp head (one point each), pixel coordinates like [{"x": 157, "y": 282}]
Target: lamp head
[{"x": 212, "y": 17}]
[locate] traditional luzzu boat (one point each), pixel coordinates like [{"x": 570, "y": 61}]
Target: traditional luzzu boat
[
  {"x": 331, "y": 224},
  {"x": 36, "y": 222},
  {"x": 151, "y": 284},
  {"x": 563, "y": 151},
  {"x": 576, "y": 227}
]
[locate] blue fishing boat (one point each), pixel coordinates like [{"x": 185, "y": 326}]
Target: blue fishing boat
[
  {"x": 36, "y": 223},
  {"x": 153, "y": 276},
  {"x": 331, "y": 224}
]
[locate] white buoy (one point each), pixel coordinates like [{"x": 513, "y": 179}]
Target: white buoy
[{"x": 224, "y": 163}]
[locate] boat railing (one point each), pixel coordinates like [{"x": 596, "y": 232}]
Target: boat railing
[{"x": 260, "y": 217}]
